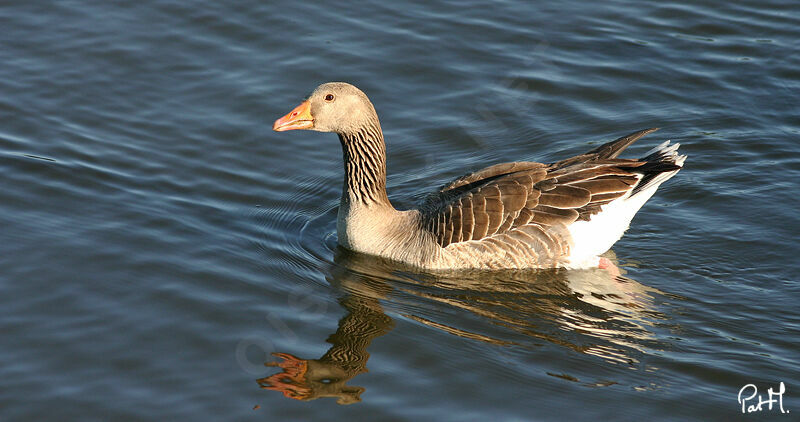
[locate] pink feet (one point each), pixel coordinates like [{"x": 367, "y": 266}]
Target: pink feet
[
  {"x": 609, "y": 266},
  {"x": 291, "y": 382}
]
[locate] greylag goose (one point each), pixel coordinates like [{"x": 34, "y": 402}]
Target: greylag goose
[{"x": 506, "y": 216}]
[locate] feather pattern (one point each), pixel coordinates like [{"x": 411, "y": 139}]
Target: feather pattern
[
  {"x": 509, "y": 215},
  {"x": 526, "y": 206}
]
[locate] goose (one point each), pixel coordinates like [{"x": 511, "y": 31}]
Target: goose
[{"x": 517, "y": 215}]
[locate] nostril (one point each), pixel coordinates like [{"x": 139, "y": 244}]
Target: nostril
[{"x": 294, "y": 114}]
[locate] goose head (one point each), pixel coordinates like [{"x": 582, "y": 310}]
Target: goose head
[{"x": 332, "y": 107}]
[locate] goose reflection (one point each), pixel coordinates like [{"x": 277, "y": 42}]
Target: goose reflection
[
  {"x": 309, "y": 379},
  {"x": 589, "y": 311}
]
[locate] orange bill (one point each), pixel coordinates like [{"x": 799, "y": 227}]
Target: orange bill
[{"x": 299, "y": 118}]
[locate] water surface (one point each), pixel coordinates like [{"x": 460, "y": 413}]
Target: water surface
[{"x": 159, "y": 242}]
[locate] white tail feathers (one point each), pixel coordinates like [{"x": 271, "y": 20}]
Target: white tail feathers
[{"x": 596, "y": 236}]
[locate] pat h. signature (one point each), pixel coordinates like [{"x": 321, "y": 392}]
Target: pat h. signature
[{"x": 748, "y": 401}]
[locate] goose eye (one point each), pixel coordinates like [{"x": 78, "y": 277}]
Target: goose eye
[{"x": 329, "y": 97}]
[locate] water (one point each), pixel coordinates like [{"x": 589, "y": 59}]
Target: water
[{"x": 159, "y": 241}]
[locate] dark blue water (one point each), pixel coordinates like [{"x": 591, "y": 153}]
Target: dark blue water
[{"x": 158, "y": 242}]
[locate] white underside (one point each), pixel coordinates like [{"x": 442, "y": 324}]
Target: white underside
[{"x": 596, "y": 236}]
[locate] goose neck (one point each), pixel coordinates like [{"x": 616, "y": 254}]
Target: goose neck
[{"x": 364, "y": 153}]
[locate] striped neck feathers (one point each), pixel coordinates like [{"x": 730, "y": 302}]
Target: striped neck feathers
[{"x": 364, "y": 154}]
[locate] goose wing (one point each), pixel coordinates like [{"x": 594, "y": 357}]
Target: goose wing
[{"x": 531, "y": 200}]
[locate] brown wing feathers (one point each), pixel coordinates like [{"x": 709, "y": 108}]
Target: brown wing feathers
[
  {"x": 481, "y": 212},
  {"x": 520, "y": 168},
  {"x": 526, "y": 199},
  {"x": 565, "y": 197},
  {"x": 614, "y": 148}
]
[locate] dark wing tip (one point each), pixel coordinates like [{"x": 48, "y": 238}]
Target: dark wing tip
[{"x": 614, "y": 148}]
